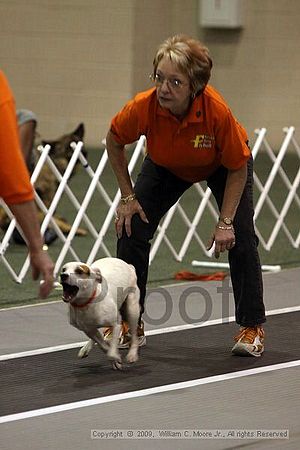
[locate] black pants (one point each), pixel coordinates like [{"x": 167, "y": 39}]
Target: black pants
[{"x": 157, "y": 190}]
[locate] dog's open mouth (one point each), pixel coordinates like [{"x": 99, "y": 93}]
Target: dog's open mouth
[{"x": 69, "y": 292}]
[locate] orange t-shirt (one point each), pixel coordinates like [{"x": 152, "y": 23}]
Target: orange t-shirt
[
  {"x": 192, "y": 149},
  {"x": 15, "y": 185}
]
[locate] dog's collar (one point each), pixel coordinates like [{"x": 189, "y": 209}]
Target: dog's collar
[{"x": 82, "y": 305}]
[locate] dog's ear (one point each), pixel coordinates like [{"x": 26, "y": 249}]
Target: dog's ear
[
  {"x": 98, "y": 276},
  {"x": 51, "y": 143},
  {"x": 79, "y": 132},
  {"x": 83, "y": 269}
]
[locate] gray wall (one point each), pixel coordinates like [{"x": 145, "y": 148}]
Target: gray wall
[{"x": 80, "y": 60}]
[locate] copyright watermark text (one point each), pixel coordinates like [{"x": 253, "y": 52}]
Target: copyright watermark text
[{"x": 190, "y": 434}]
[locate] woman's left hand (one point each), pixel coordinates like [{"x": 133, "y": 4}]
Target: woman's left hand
[{"x": 223, "y": 239}]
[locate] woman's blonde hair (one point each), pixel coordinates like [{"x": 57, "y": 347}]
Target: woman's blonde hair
[{"x": 191, "y": 57}]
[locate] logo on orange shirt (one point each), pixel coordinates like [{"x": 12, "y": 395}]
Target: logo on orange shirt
[{"x": 203, "y": 141}]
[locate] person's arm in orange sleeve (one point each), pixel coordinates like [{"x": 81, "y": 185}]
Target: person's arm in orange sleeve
[
  {"x": 41, "y": 264},
  {"x": 16, "y": 189}
]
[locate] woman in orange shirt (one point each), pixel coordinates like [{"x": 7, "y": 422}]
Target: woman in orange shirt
[
  {"x": 191, "y": 136},
  {"x": 16, "y": 189}
]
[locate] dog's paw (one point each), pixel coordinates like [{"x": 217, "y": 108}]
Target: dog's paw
[
  {"x": 116, "y": 359},
  {"x": 82, "y": 353},
  {"x": 132, "y": 357},
  {"x": 117, "y": 365},
  {"x": 85, "y": 350}
]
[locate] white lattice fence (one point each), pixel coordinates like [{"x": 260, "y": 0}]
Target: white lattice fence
[
  {"x": 201, "y": 197},
  {"x": 292, "y": 199}
]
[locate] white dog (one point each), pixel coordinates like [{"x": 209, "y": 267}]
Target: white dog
[{"x": 95, "y": 295}]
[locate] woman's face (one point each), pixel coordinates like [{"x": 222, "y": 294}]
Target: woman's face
[{"x": 173, "y": 88}]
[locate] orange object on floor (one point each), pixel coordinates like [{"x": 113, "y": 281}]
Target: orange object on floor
[{"x": 191, "y": 276}]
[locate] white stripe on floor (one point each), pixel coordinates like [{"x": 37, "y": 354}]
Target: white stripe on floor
[
  {"x": 145, "y": 392},
  {"x": 58, "y": 348}
]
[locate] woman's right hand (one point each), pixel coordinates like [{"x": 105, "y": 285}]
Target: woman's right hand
[{"x": 124, "y": 213}]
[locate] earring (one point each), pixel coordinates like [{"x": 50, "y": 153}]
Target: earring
[{"x": 193, "y": 96}]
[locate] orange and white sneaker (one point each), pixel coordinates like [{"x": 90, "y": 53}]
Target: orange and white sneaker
[
  {"x": 107, "y": 332},
  {"x": 125, "y": 335},
  {"x": 249, "y": 341}
]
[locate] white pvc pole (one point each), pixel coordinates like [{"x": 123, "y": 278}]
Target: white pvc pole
[
  {"x": 259, "y": 141},
  {"x": 274, "y": 170},
  {"x": 54, "y": 203},
  {"x": 91, "y": 173},
  {"x": 193, "y": 226},
  {"x": 218, "y": 265},
  {"x": 284, "y": 211},
  {"x": 161, "y": 233},
  {"x": 111, "y": 213},
  {"x": 78, "y": 217}
]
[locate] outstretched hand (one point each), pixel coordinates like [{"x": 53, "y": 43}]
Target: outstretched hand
[{"x": 42, "y": 264}]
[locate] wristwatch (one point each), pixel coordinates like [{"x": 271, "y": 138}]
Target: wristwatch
[{"x": 226, "y": 220}]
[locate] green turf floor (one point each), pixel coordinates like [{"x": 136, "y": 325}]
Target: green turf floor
[{"x": 164, "y": 266}]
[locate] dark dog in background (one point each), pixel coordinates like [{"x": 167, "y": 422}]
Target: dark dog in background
[
  {"x": 60, "y": 153},
  {"x": 47, "y": 183}
]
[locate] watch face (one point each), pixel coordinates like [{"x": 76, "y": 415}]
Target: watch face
[{"x": 227, "y": 221}]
